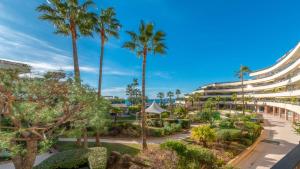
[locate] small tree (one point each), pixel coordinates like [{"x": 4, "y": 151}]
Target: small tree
[
  {"x": 161, "y": 96},
  {"x": 34, "y": 110},
  {"x": 178, "y": 93},
  {"x": 203, "y": 134}
]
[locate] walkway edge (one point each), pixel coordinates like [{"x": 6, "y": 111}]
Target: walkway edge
[{"x": 248, "y": 150}]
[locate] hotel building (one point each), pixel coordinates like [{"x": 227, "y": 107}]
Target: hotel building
[{"x": 275, "y": 89}]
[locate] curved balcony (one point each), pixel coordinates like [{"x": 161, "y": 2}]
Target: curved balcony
[{"x": 278, "y": 64}]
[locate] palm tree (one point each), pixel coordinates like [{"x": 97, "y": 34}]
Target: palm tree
[
  {"x": 106, "y": 25},
  {"x": 161, "y": 96},
  {"x": 177, "y": 92},
  {"x": 144, "y": 42},
  {"x": 170, "y": 95},
  {"x": 70, "y": 19},
  {"x": 234, "y": 98},
  {"x": 240, "y": 74},
  {"x": 218, "y": 99}
]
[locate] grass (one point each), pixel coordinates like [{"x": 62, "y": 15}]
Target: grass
[{"x": 131, "y": 149}]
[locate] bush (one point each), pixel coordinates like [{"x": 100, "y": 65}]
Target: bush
[
  {"x": 233, "y": 134},
  {"x": 176, "y": 146},
  {"x": 134, "y": 109},
  {"x": 246, "y": 141},
  {"x": 185, "y": 123},
  {"x": 97, "y": 158},
  {"x": 66, "y": 159},
  {"x": 203, "y": 134},
  {"x": 201, "y": 156},
  {"x": 156, "y": 132},
  {"x": 154, "y": 122},
  {"x": 191, "y": 157},
  {"x": 226, "y": 123},
  {"x": 160, "y": 159},
  {"x": 253, "y": 129}
]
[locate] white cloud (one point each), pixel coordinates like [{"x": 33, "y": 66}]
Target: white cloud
[
  {"x": 114, "y": 91},
  {"x": 164, "y": 75}
]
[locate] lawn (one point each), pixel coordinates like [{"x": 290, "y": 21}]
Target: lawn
[{"x": 131, "y": 149}]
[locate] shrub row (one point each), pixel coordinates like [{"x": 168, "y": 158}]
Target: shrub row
[
  {"x": 191, "y": 156},
  {"x": 155, "y": 122},
  {"x": 166, "y": 130}
]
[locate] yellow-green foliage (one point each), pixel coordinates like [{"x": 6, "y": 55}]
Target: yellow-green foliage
[{"x": 203, "y": 134}]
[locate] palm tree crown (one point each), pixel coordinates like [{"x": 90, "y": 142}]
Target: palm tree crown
[
  {"x": 107, "y": 24},
  {"x": 70, "y": 19},
  {"x": 243, "y": 71},
  {"x": 147, "y": 40}
]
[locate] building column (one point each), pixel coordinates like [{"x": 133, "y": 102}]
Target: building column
[
  {"x": 280, "y": 110},
  {"x": 294, "y": 117},
  {"x": 286, "y": 114},
  {"x": 274, "y": 111},
  {"x": 266, "y": 109}
]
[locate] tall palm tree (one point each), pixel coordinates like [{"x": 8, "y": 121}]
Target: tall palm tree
[
  {"x": 218, "y": 99},
  {"x": 178, "y": 93},
  {"x": 161, "y": 96},
  {"x": 234, "y": 98},
  {"x": 241, "y": 74},
  {"x": 106, "y": 25},
  {"x": 170, "y": 95},
  {"x": 144, "y": 42},
  {"x": 70, "y": 19}
]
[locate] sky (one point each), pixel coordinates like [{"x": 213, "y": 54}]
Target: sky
[{"x": 207, "y": 41}]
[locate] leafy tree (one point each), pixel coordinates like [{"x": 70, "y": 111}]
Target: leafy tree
[
  {"x": 161, "y": 96},
  {"x": 133, "y": 92},
  {"x": 203, "y": 134},
  {"x": 170, "y": 95},
  {"x": 241, "y": 74},
  {"x": 34, "y": 110},
  {"x": 106, "y": 25},
  {"x": 181, "y": 112},
  {"x": 178, "y": 93},
  {"x": 143, "y": 42},
  {"x": 70, "y": 19}
]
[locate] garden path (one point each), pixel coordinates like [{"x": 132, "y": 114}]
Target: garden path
[{"x": 281, "y": 138}]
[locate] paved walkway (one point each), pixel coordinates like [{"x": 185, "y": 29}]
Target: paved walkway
[
  {"x": 39, "y": 159},
  {"x": 281, "y": 138}
]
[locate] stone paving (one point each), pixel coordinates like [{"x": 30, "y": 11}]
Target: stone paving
[{"x": 281, "y": 138}]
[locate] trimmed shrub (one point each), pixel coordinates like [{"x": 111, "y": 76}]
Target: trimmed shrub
[
  {"x": 185, "y": 123},
  {"x": 97, "y": 158},
  {"x": 234, "y": 134},
  {"x": 201, "y": 156},
  {"x": 156, "y": 132},
  {"x": 66, "y": 159},
  {"x": 177, "y": 146},
  {"x": 203, "y": 134}
]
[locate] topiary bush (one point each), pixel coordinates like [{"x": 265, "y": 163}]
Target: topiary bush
[
  {"x": 185, "y": 123},
  {"x": 156, "y": 132},
  {"x": 97, "y": 158}
]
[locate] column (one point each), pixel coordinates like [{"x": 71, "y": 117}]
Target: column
[
  {"x": 274, "y": 111},
  {"x": 294, "y": 117},
  {"x": 280, "y": 110},
  {"x": 286, "y": 114},
  {"x": 266, "y": 109}
]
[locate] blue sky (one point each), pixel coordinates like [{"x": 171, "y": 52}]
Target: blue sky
[{"x": 207, "y": 41}]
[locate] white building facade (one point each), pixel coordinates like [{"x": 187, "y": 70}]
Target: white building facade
[{"x": 275, "y": 89}]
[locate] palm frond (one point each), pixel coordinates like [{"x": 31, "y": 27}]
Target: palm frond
[{"x": 130, "y": 45}]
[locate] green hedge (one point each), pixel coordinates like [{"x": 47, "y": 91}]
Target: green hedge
[
  {"x": 191, "y": 156},
  {"x": 97, "y": 158},
  {"x": 234, "y": 134},
  {"x": 73, "y": 159}
]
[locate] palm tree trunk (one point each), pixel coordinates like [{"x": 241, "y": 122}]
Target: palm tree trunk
[
  {"x": 243, "y": 95},
  {"x": 75, "y": 55},
  {"x": 101, "y": 64},
  {"x": 100, "y": 79},
  {"x": 144, "y": 130}
]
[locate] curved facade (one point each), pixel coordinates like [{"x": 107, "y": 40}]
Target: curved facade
[{"x": 276, "y": 86}]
